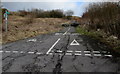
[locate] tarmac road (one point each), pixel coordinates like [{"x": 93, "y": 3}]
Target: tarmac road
[{"x": 64, "y": 51}]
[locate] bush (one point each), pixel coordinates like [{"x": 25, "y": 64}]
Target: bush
[
  {"x": 104, "y": 16},
  {"x": 39, "y": 13}
]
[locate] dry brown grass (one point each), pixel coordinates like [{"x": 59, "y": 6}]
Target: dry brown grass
[{"x": 24, "y": 27}]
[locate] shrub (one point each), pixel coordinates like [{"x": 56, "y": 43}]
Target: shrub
[{"x": 104, "y": 16}]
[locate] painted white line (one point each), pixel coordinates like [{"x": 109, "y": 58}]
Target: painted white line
[
  {"x": 96, "y": 51},
  {"x": 15, "y": 51},
  {"x": 78, "y": 54},
  {"x": 32, "y": 40},
  {"x": 38, "y": 53},
  {"x": 78, "y": 51},
  {"x": 97, "y": 55},
  {"x": 58, "y": 33},
  {"x": 31, "y": 52},
  {"x": 7, "y": 51},
  {"x": 86, "y": 51},
  {"x": 59, "y": 51},
  {"x": 69, "y": 51},
  {"x": 21, "y": 52},
  {"x": 1, "y": 51},
  {"x": 53, "y": 46},
  {"x": 66, "y": 31},
  {"x": 108, "y": 55},
  {"x": 87, "y": 54},
  {"x": 68, "y": 54}
]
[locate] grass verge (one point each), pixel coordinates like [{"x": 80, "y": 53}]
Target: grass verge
[{"x": 111, "y": 41}]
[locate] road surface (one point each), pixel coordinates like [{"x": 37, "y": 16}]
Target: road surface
[{"x": 63, "y": 51}]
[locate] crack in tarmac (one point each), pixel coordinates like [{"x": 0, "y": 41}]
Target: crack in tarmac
[
  {"x": 58, "y": 66},
  {"x": 40, "y": 63}
]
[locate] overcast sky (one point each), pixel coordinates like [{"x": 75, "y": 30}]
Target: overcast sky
[{"x": 78, "y": 6}]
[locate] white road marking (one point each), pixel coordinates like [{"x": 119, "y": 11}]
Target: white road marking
[
  {"x": 21, "y": 52},
  {"x": 78, "y": 51},
  {"x": 97, "y": 55},
  {"x": 7, "y": 51},
  {"x": 58, "y": 33},
  {"x": 15, "y": 51},
  {"x": 1, "y": 51},
  {"x": 69, "y": 51},
  {"x": 87, "y": 54},
  {"x": 38, "y": 53},
  {"x": 31, "y": 52},
  {"x": 86, "y": 51},
  {"x": 59, "y": 51},
  {"x": 32, "y": 40},
  {"x": 53, "y": 46},
  {"x": 108, "y": 55},
  {"x": 78, "y": 54},
  {"x": 66, "y": 32},
  {"x": 96, "y": 51},
  {"x": 68, "y": 54},
  {"x": 74, "y": 42}
]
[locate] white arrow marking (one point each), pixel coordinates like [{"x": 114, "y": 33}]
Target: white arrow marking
[{"x": 74, "y": 42}]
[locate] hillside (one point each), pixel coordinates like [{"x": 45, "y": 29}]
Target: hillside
[{"x": 24, "y": 27}]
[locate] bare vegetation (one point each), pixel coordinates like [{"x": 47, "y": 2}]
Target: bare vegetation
[
  {"x": 39, "y": 13},
  {"x": 27, "y": 23},
  {"x": 104, "y": 18},
  {"x": 23, "y": 27}
]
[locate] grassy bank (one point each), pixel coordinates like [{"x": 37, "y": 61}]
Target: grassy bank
[
  {"x": 111, "y": 41},
  {"x": 24, "y": 27}
]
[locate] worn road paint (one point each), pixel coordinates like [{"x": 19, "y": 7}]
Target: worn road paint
[
  {"x": 66, "y": 32},
  {"x": 74, "y": 42},
  {"x": 53, "y": 46}
]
